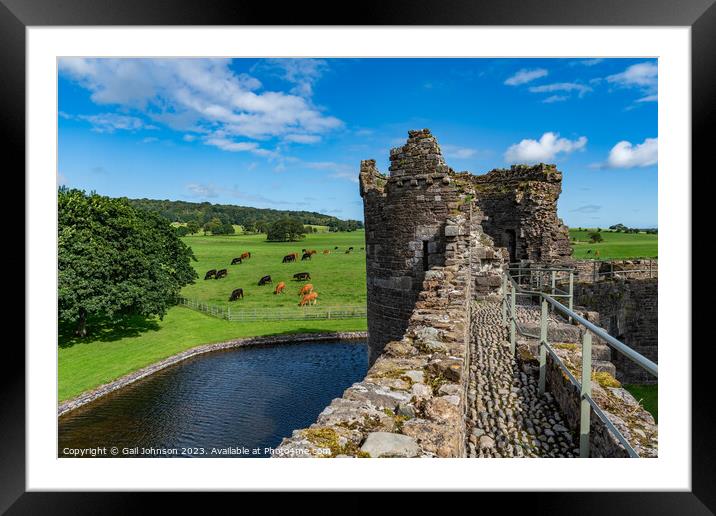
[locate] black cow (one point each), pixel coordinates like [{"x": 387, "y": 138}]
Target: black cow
[
  {"x": 236, "y": 294},
  {"x": 350, "y": 248},
  {"x": 306, "y": 256},
  {"x": 289, "y": 258},
  {"x": 221, "y": 273},
  {"x": 235, "y": 261},
  {"x": 210, "y": 274},
  {"x": 264, "y": 280},
  {"x": 335, "y": 248},
  {"x": 301, "y": 276},
  {"x": 362, "y": 248},
  {"x": 348, "y": 251}
]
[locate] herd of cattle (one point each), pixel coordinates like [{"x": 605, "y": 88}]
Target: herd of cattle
[{"x": 306, "y": 293}]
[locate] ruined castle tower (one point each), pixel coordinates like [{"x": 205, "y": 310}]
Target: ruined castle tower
[{"x": 405, "y": 219}]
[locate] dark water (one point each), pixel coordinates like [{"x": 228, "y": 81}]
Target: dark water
[{"x": 234, "y": 401}]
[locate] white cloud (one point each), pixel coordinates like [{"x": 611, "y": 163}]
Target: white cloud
[
  {"x": 302, "y": 72},
  {"x": 109, "y": 122},
  {"x": 589, "y": 62},
  {"x": 189, "y": 137},
  {"x": 642, "y": 75},
  {"x": 649, "y": 98},
  {"x": 543, "y": 150},
  {"x": 455, "y": 152},
  {"x": 626, "y": 155},
  {"x": 524, "y": 76},
  {"x": 302, "y": 138},
  {"x": 150, "y": 139},
  {"x": 205, "y": 96},
  {"x": 202, "y": 190},
  {"x": 555, "y": 98},
  {"x": 581, "y": 89}
]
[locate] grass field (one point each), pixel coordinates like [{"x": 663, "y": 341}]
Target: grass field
[
  {"x": 116, "y": 351},
  {"x": 113, "y": 351},
  {"x": 649, "y": 396},
  {"x": 338, "y": 278},
  {"x": 615, "y": 245}
]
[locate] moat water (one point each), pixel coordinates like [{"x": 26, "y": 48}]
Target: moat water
[{"x": 234, "y": 403}]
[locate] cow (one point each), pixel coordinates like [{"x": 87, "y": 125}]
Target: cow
[
  {"x": 335, "y": 248},
  {"x": 236, "y": 294},
  {"x": 350, "y": 248},
  {"x": 264, "y": 280},
  {"x": 303, "y": 250},
  {"x": 235, "y": 261},
  {"x": 308, "y": 299},
  {"x": 280, "y": 288},
  {"x": 210, "y": 274},
  {"x": 348, "y": 251},
  {"x": 301, "y": 276},
  {"x": 312, "y": 252},
  {"x": 589, "y": 251},
  {"x": 221, "y": 273},
  {"x": 245, "y": 255},
  {"x": 306, "y": 289},
  {"x": 289, "y": 258},
  {"x": 326, "y": 251},
  {"x": 362, "y": 248},
  {"x": 305, "y": 256}
]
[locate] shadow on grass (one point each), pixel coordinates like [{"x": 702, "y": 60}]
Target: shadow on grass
[{"x": 107, "y": 330}]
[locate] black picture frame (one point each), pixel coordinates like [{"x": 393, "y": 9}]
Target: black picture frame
[{"x": 700, "y": 15}]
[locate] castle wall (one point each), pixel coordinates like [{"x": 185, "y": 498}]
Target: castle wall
[
  {"x": 629, "y": 311},
  {"x": 520, "y": 207}
]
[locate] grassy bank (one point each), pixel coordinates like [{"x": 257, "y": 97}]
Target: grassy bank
[
  {"x": 615, "y": 245},
  {"x": 649, "y": 396},
  {"x": 113, "y": 352}
]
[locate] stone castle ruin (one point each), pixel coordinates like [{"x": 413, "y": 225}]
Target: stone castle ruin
[
  {"x": 511, "y": 215},
  {"x": 443, "y": 380}
]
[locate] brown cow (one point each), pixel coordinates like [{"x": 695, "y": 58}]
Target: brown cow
[
  {"x": 309, "y": 299},
  {"x": 306, "y": 289},
  {"x": 245, "y": 255},
  {"x": 312, "y": 251},
  {"x": 326, "y": 251},
  {"x": 280, "y": 288}
]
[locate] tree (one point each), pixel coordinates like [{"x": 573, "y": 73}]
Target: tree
[
  {"x": 223, "y": 229},
  {"x": 116, "y": 260},
  {"x": 595, "y": 237},
  {"x": 192, "y": 226},
  {"x": 182, "y": 231},
  {"x": 286, "y": 230}
]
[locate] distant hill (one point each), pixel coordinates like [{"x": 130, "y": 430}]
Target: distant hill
[{"x": 246, "y": 216}]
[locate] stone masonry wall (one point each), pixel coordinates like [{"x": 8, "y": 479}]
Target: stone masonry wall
[
  {"x": 520, "y": 207},
  {"x": 412, "y": 402},
  {"x": 628, "y": 310},
  {"x": 589, "y": 271}
]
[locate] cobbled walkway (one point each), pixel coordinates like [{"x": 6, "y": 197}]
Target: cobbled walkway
[{"x": 507, "y": 417}]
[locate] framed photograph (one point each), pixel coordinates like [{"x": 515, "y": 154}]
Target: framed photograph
[{"x": 263, "y": 245}]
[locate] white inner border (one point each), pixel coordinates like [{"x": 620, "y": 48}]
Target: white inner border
[{"x": 671, "y": 471}]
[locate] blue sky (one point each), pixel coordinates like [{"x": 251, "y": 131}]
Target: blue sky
[{"x": 290, "y": 133}]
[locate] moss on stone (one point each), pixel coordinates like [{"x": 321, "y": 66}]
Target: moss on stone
[
  {"x": 565, "y": 345},
  {"x": 604, "y": 379}
]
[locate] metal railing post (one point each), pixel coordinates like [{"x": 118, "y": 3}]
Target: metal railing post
[
  {"x": 512, "y": 320},
  {"x": 554, "y": 281},
  {"x": 543, "y": 348},
  {"x": 571, "y": 293},
  {"x": 504, "y": 299},
  {"x": 585, "y": 409}
]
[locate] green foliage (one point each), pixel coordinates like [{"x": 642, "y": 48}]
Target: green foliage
[
  {"x": 595, "y": 237},
  {"x": 648, "y": 395},
  {"x": 286, "y": 230},
  {"x": 252, "y": 219},
  {"x": 115, "y": 260}
]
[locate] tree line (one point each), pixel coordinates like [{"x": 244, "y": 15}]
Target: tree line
[{"x": 221, "y": 216}]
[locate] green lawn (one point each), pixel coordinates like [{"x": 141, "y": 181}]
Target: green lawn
[
  {"x": 649, "y": 396},
  {"x": 113, "y": 352},
  {"x": 615, "y": 245},
  {"x": 338, "y": 278}
]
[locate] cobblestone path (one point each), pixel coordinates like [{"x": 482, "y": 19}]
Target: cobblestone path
[{"x": 506, "y": 415}]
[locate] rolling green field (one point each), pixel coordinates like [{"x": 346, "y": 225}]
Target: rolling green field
[
  {"x": 615, "y": 245},
  {"x": 113, "y": 351},
  {"x": 338, "y": 278}
]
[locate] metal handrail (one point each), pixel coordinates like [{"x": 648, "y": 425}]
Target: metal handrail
[{"x": 587, "y": 403}]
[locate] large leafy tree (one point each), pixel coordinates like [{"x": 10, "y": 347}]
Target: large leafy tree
[
  {"x": 286, "y": 230},
  {"x": 115, "y": 260}
]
